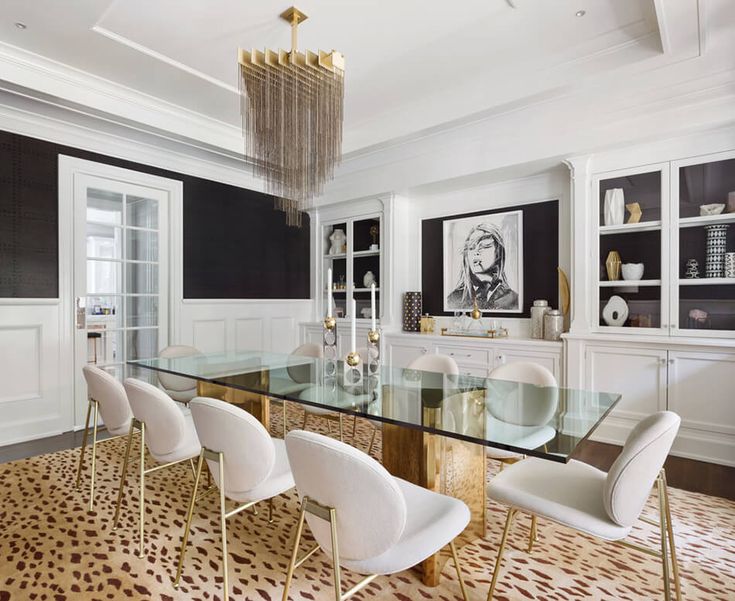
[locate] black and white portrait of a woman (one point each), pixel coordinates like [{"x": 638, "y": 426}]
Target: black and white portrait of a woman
[{"x": 483, "y": 261}]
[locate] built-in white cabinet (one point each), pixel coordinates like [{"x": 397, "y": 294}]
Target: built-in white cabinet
[
  {"x": 475, "y": 357},
  {"x": 695, "y": 382}
]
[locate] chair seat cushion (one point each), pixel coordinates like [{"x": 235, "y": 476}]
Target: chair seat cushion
[
  {"x": 525, "y": 437},
  {"x": 187, "y": 449},
  {"x": 570, "y": 494},
  {"x": 432, "y": 522},
  {"x": 279, "y": 480},
  {"x": 286, "y": 386}
]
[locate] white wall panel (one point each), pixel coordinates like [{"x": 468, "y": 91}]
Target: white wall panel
[
  {"x": 248, "y": 333},
  {"x": 20, "y": 364},
  {"x": 209, "y": 335},
  {"x": 284, "y": 334}
]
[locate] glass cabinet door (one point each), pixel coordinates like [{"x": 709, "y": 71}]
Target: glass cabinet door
[
  {"x": 631, "y": 250},
  {"x": 703, "y": 244}
]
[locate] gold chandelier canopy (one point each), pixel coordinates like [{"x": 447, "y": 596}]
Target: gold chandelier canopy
[{"x": 292, "y": 106}]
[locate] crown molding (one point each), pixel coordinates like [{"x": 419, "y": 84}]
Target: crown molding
[{"x": 70, "y": 85}]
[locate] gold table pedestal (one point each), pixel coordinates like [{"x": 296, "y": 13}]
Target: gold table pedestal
[{"x": 256, "y": 404}]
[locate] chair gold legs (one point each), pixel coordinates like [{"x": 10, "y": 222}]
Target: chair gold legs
[
  {"x": 496, "y": 571},
  {"x": 189, "y": 515},
  {"x": 141, "y": 510},
  {"x": 123, "y": 475},
  {"x": 285, "y": 419},
  {"x": 223, "y": 524},
  {"x": 533, "y": 533},
  {"x": 329, "y": 514},
  {"x": 93, "y": 405}
]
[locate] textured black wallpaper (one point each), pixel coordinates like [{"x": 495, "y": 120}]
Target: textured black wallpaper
[{"x": 236, "y": 245}]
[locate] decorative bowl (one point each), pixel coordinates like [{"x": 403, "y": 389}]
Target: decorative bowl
[
  {"x": 713, "y": 209},
  {"x": 632, "y": 271}
]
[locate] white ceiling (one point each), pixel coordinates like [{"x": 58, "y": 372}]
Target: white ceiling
[{"x": 411, "y": 65}]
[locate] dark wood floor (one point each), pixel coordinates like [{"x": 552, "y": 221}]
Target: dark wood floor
[{"x": 688, "y": 474}]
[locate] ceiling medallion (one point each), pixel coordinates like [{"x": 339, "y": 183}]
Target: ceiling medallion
[{"x": 292, "y": 107}]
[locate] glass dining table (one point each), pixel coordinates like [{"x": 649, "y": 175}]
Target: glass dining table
[{"x": 434, "y": 428}]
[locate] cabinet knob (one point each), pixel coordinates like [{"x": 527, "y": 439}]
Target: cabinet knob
[
  {"x": 672, "y": 361},
  {"x": 662, "y": 361},
  {"x": 424, "y": 350},
  {"x": 501, "y": 358}
]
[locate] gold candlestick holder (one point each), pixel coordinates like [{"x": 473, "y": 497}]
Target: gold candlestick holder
[
  {"x": 373, "y": 364},
  {"x": 352, "y": 372},
  {"x": 329, "y": 348}
]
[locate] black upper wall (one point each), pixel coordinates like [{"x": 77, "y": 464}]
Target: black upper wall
[{"x": 235, "y": 244}]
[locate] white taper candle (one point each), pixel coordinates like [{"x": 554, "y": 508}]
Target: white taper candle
[
  {"x": 329, "y": 292},
  {"x": 372, "y": 305},
  {"x": 353, "y": 311}
]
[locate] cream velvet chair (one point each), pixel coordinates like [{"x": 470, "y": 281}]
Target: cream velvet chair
[
  {"x": 168, "y": 435},
  {"x": 106, "y": 398},
  {"x": 442, "y": 364},
  {"x": 602, "y": 505},
  {"x": 247, "y": 465},
  {"x": 406, "y": 524},
  {"x": 177, "y": 387}
]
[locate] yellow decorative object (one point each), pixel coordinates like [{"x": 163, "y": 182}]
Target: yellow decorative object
[
  {"x": 564, "y": 293},
  {"x": 427, "y": 324},
  {"x": 374, "y": 336},
  {"x": 353, "y": 359},
  {"x": 476, "y": 313},
  {"x": 635, "y": 212},
  {"x": 612, "y": 264}
]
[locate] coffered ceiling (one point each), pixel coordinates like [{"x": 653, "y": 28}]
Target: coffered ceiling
[{"x": 412, "y": 66}]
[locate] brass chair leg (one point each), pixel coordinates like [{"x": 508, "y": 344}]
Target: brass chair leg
[
  {"x": 372, "y": 439},
  {"x": 123, "y": 474},
  {"x": 670, "y": 530},
  {"x": 84, "y": 445},
  {"x": 459, "y": 571},
  {"x": 335, "y": 556},
  {"x": 295, "y": 552},
  {"x": 285, "y": 420},
  {"x": 193, "y": 469},
  {"x": 94, "y": 455},
  {"x": 354, "y": 428},
  {"x": 223, "y": 524},
  {"x": 270, "y": 510},
  {"x": 663, "y": 526},
  {"x": 306, "y": 416},
  {"x": 341, "y": 429},
  {"x": 496, "y": 571},
  {"x": 532, "y": 534},
  {"x": 141, "y": 510},
  {"x": 189, "y": 515}
]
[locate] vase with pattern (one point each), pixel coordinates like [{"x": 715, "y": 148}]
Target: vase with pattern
[
  {"x": 412, "y": 312},
  {"x": 716, "y": 243},
  {"x": 614, "y": 207}
]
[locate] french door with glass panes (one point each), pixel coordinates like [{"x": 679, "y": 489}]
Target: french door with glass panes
[{"x": 120, "y": 275}]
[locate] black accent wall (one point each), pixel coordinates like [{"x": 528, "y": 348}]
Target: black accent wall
[{"x": 235, "y": 244}]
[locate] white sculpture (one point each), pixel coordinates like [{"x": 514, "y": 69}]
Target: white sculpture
[
  {"x": 614, "y": 207},
  {"x": 368, "y": 279},
  {"x": 338, "y": 238}
]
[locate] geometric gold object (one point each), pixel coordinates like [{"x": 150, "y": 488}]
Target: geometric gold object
[
  {"x": 476, "y": 313},
  {"x": 564, "y": 293},
  {"x": 329, "y": 323},
  {"x": 292, "y": 111},
  {"x": 353, "y": 359},
  {"x": 374, "y": 336},
  {"x": 612, "y": 264},
  {"x": 635, "y": 212}
]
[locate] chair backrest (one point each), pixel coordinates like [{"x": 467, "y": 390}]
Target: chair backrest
[
  {"x": 532, "y": 405},
  {"x": 249, "y": 453},
  {"x": 104, "y": 388},
  {"x": 442, "y": 364},
  {"x": 164, "y": 423},
  {"x": 170, "y": 381},
  {"x": 304, "y": 374},
  {"x": 631, "y": 477},
  {"x": 370, "y": 508}
]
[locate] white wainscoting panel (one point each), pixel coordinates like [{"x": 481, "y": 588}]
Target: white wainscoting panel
[
  {"x": 223, "y": 325},
  {"x": 209, "y": 335},
  {"x": 249, "y": 333},
  {"x": 20, "y": 369}
]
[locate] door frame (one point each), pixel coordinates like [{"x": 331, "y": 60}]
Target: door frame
[{"x": 70, "y": 168}]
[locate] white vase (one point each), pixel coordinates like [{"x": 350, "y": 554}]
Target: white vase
[
  {"x": 614, "y": 207},
  {"x": 368, "y": 279}
]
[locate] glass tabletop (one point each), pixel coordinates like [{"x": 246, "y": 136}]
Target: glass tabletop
[{"x": 547, "y": 422}]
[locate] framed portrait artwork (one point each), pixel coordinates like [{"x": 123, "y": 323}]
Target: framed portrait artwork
[{"x": 483, "y": 260}]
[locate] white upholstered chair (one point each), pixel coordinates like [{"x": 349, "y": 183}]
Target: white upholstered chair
[
  {"x": 523, "y": 422},
  {"x": 299, "y": 378},
  {"x": 168, "y": 435},
  {"x": 603, "y": 505},
  {"x": 247, "y": 465},
  {"x": 177, "y": 387},
  {"x": 442, "y": 364},
  {"x": 107, "y": 399},
  {"x": 336, "y": 483}
]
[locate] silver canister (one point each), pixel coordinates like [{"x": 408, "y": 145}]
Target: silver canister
[
  {"x": 539, "y": 309},
  {"x": 553, "y": 325}
]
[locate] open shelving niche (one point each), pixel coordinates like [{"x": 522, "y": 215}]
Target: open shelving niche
[{"x": 353, "y": 264}]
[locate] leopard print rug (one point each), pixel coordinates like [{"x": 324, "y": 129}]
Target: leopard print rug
[{"x": 52, "y": 548}]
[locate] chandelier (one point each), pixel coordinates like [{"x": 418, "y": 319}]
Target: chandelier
[{"x": 292, "y": 106}]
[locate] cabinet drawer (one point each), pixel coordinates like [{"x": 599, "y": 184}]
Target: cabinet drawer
[
  {"x": 465, "y": 355},
  {"x": 479, "y": 371}
]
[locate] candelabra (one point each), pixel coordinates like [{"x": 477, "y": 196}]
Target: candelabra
[{"x": 329, "y": 341}]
